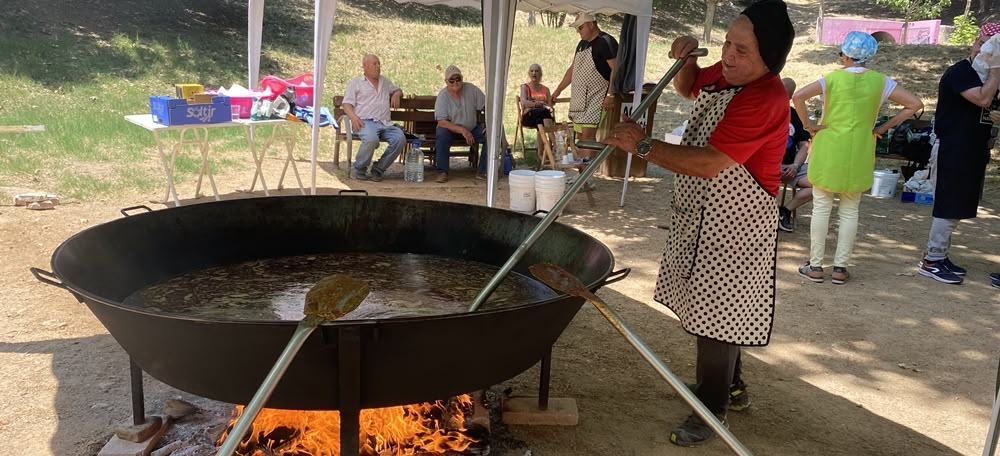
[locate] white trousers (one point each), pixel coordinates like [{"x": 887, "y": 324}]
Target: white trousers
[{"x": 820, "y": 226}]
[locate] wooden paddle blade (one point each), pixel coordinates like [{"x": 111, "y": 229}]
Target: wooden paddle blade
[
  {"x": 559, "y": 279},
  {"x": 335, "y": 296}
]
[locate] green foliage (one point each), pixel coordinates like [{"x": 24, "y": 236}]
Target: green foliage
[
  {"x": 916, "y": 9},
  {"x": 965, "y": 31}
]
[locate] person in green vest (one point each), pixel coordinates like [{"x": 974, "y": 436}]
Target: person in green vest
[{"x": 842, "y": 160}]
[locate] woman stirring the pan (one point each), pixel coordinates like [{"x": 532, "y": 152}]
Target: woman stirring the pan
[{"x": 717, "y": 272}]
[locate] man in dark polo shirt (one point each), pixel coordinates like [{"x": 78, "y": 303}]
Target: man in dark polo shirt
[{"x": 589, "y": 75}]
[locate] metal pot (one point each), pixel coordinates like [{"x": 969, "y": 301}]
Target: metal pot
[{"x": 373, "y": 363}]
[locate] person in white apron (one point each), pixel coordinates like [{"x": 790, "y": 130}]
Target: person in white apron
[
  {"x": 718, "y": 270},
  {"x": 590, "y": 75}
]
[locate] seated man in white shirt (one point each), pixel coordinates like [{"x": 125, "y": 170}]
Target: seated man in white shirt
[{"x": 366, "y": 102}]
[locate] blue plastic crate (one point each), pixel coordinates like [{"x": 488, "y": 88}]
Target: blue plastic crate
[
  {"x": 177, "y": 111},
  {"x": 919, "y": 198}
]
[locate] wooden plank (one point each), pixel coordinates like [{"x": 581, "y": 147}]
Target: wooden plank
[{"x": 21, "y": 128}]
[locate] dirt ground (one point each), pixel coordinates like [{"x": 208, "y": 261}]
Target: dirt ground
[{"x": 889, "y": 364}]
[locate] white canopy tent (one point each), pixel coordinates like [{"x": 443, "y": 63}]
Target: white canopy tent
[{"x": 498, "y": 26}]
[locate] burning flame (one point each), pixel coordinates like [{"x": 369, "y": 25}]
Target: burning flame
[{"x": 427, "y": 428}]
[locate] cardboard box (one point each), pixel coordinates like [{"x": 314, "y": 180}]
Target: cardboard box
[
  {"x": 177, "y": 111},
  {"x": 187, "y": 91},
  {"x": 919, "y": 198}
]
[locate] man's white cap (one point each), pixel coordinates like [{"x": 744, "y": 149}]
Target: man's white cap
[{"x": 583, "y": 18}]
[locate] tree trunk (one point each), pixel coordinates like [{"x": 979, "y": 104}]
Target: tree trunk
[
  {"x": 531, "y": 17},
  {"x": 819, "y": 23},
  {"x": 709, "y": 20},
  {"x": 906, "y": 27}
]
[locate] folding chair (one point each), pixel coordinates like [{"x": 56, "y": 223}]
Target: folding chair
[
  {"x": 546, "y": 149},
  {"x": 519, "y": 130}
]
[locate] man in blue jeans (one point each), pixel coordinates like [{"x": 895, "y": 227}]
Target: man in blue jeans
[
  {"x": 456, "y": 110},
  {"x": 366, "y": 102}
]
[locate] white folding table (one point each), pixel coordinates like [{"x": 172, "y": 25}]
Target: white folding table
[
  {"x": 199, "y": 136},
  {"x": 279, "y": 132}
]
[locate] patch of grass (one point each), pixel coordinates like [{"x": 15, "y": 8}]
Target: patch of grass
[
  {"x": 138, "y": 179},
  {"x": 83, "y": 186},
  {"x": 19, "y": 162}
]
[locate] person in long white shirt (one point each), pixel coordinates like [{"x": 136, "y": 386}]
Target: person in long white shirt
[{"x": 367, "y": 101}]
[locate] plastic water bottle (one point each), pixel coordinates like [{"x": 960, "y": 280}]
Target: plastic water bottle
[
  {"x": 560, "y": 145},
  {"x": 508, "y": 162},
  {"x": 413, "y": 169}
]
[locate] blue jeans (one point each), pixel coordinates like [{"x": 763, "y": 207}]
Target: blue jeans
[
  {"x": 370, "y": 134},
  {"x": 442, "y": 146}
]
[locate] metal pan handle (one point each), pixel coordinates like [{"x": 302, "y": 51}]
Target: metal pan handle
[
  {"x": 125, "y": 211},
  {"x": 46, "y": 277},
  {"x": 360, "y": 192},
  {"x": 617, "y": 276}
]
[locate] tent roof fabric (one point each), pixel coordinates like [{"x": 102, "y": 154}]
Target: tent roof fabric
[{"x": 633, "y": 7}]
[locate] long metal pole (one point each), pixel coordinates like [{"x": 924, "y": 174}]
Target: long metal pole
[
  {"x": 992, "y": 435},
  {"x": 573, "y": 189},
  {"x": 699, "y": 407}
]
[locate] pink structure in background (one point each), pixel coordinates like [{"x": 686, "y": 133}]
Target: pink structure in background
[{"x": 919, "y": 32}]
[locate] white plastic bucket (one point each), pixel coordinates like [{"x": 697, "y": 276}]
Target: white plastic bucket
[
  {"x": 884, "y": 185},
  {"x": 549, "y": 187},
  {"x": 522, "y": 190}
]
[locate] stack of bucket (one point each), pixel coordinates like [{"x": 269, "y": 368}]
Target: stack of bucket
[{"x": 530, "y": 190}]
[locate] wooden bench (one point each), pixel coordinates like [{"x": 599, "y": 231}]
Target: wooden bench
[{"x": 416, "y": 116}]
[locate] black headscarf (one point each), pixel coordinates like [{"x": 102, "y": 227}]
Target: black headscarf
[{"x": 773, "y": 30}]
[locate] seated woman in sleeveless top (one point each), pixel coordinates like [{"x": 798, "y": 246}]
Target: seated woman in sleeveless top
[{"x": 536, "y": 99}]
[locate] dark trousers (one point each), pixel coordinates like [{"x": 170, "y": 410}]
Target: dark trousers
[
  {"x": 718, "y": 367},
  {"x": 442, "y": 146}
]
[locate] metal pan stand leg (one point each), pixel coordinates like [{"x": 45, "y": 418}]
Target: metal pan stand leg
[
  {"x": 349, "y": 370},
  {"x": 544, "y": 380},
  {"x": 138, "y": 396}
]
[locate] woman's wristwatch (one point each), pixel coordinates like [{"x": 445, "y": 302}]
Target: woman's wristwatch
[{"x": 643, "y": 147}]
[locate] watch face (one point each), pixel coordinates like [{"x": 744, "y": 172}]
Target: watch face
[{"x": 643, "y": 147}]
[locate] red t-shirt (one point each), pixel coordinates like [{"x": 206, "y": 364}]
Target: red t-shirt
[{"x": 754, "y": 130}]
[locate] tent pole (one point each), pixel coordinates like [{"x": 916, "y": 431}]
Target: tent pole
[
  {"x": 641, "y": 45},
  {"x": 628, "y": 171}
]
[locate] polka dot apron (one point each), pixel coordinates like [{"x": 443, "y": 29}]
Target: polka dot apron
[
  {"x": 718, "y": 270},
  {"x": 589, "y": 89}
]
